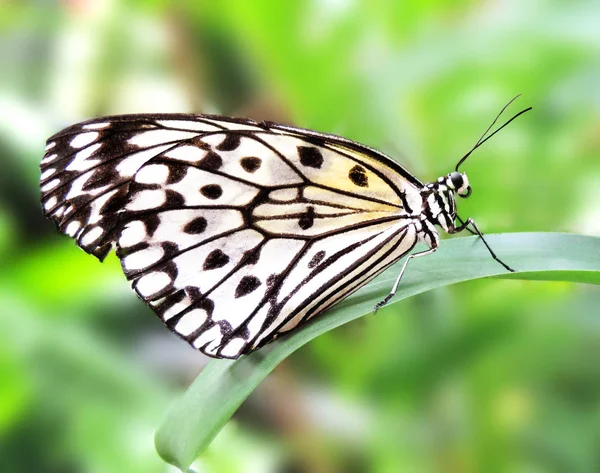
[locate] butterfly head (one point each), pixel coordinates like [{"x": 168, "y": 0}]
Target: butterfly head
[{"x": 459, "y": 182}]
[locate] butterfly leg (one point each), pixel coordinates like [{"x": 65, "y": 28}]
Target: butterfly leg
[
  {"x": 380, "y": 304},
  {"x": 464, "y": 225}
]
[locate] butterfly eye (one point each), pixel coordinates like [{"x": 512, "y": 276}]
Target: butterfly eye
[{"x": 456, "y": 179}]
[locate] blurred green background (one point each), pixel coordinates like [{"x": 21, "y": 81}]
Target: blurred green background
[{"x": 490, "y": 376}]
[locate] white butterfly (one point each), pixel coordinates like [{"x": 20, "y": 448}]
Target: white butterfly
[{"x": 235, "y": 232}]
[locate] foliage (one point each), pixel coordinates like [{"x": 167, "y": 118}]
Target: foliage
[{"x": 490, "y": 375}]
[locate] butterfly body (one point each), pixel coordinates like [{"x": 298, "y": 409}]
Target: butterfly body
[{"x": 233, "y": 231}]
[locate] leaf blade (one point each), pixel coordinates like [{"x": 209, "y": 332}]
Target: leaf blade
[{"x": 193, "y": 421}]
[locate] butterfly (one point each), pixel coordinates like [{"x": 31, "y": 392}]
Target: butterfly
[{"x": 236, "y": 232}]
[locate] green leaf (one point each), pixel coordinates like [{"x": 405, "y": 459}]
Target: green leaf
[{"x": 194, "y": 420}]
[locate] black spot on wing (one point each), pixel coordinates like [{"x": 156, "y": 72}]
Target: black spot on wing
[
  {"x": 310, "y": 156},
  {"x": 316, "y": 259},
  {"x": 211, "y": 162},
  {"x": 247, "y": 285},
  {"x": 215, "y": 259},
  {"x": 250, "y": 164},
  {"x": 307, "y": 219},
  {"x": 358, "y": 175},
  {"x": 211, "y": 191},
  {"x": 196, "y": 226}
]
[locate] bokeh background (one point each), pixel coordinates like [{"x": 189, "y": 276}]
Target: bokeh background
[{"x": 489, "y": 376}]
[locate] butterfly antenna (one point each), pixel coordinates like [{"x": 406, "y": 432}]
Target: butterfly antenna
[{"x": 484, "y": 138}]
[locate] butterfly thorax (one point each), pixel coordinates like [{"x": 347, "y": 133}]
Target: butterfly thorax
[{"x": 439, "y": 203}]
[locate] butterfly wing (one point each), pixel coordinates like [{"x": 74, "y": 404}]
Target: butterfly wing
[{"x": 232, "y": 231}]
